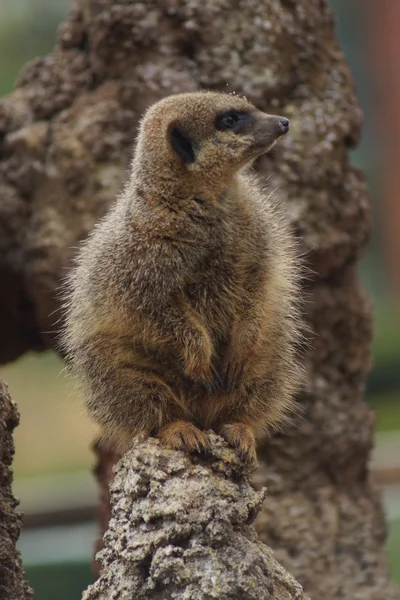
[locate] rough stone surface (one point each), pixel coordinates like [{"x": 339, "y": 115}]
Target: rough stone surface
[
  {"x": 13, "y": 585},
  {"x": 181, "y": 528},
  {"x": 65, "y": 141}
]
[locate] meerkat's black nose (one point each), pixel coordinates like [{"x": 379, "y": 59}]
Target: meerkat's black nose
[{"x": 284, "y": 124}]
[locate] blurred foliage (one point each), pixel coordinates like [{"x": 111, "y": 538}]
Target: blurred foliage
[
  {"x": 393, "y": 546},
  {"x": 54, "y": 432},
  {"x": 386, "y": 342},
  {"x": 64, "y": 581},
  {"x": 27, "y": 30},
  {"x": 387, "y": 408}
]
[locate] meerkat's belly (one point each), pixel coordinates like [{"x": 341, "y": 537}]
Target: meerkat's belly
[
  {"x": 216, "y": 301},
  {"x": 209, "y": 411}
]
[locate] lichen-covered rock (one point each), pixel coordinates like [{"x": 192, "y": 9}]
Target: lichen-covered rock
[{"x": 181, "y": 528}]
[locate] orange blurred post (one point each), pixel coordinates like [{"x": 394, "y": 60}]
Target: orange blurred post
[{"x": 384, "y": 43}]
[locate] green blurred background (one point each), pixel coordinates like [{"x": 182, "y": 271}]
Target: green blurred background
[{"x": 52, "y": 443}]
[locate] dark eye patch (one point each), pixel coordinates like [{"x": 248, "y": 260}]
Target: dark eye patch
[{"x": 233, "y": 120}]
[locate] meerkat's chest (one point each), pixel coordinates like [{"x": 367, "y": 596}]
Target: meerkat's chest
[
  {"x": 216, "y": 291},
  {"x": 218, "y": 287}
]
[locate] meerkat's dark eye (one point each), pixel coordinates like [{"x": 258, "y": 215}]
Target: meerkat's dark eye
[
  {"x": 233, "y": 120},
  {"x": 230, "y": 120}
]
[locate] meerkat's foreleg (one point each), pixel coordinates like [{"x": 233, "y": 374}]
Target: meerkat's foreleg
[
  {"x": 127, "y": 402},
  {"x": 192, "y": 342},
  {"x": 245, "y": 337},
  {"x": 243, "y": 347},
  {"x": 257, "y": 408}
]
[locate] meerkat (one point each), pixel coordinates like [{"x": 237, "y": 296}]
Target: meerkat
[{"x": 181, "y": 311}]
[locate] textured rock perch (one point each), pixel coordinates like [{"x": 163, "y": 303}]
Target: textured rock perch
[
  {"x": 181, "y": 527},
  {"x": 12, "y": 577}
]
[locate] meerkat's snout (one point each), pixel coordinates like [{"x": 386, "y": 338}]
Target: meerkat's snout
[
  {"x": 284, "y": 124},
  {"x": 267, "y": 130},
  {"x": 280, "y": 125}
]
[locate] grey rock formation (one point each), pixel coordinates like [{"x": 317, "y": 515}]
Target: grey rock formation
[{"x": 181, "y": 527}]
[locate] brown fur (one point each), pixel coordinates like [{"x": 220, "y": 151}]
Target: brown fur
[{"x": 181, "y": 312}]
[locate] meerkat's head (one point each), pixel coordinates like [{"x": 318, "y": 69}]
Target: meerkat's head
[{"x": 203, "y": 138}]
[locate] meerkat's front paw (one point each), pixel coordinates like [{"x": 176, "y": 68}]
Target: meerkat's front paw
[
  {"x": 183, "y": 435},
  {"x": 241, "y": 437}
]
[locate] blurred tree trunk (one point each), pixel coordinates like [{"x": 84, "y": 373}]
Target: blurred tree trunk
[
  {"x": 13, "y": 585},
  {"x": 66, "y": 137}
]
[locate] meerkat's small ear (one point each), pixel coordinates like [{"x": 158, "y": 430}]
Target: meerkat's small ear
[{"x": 181, "y": 143}]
